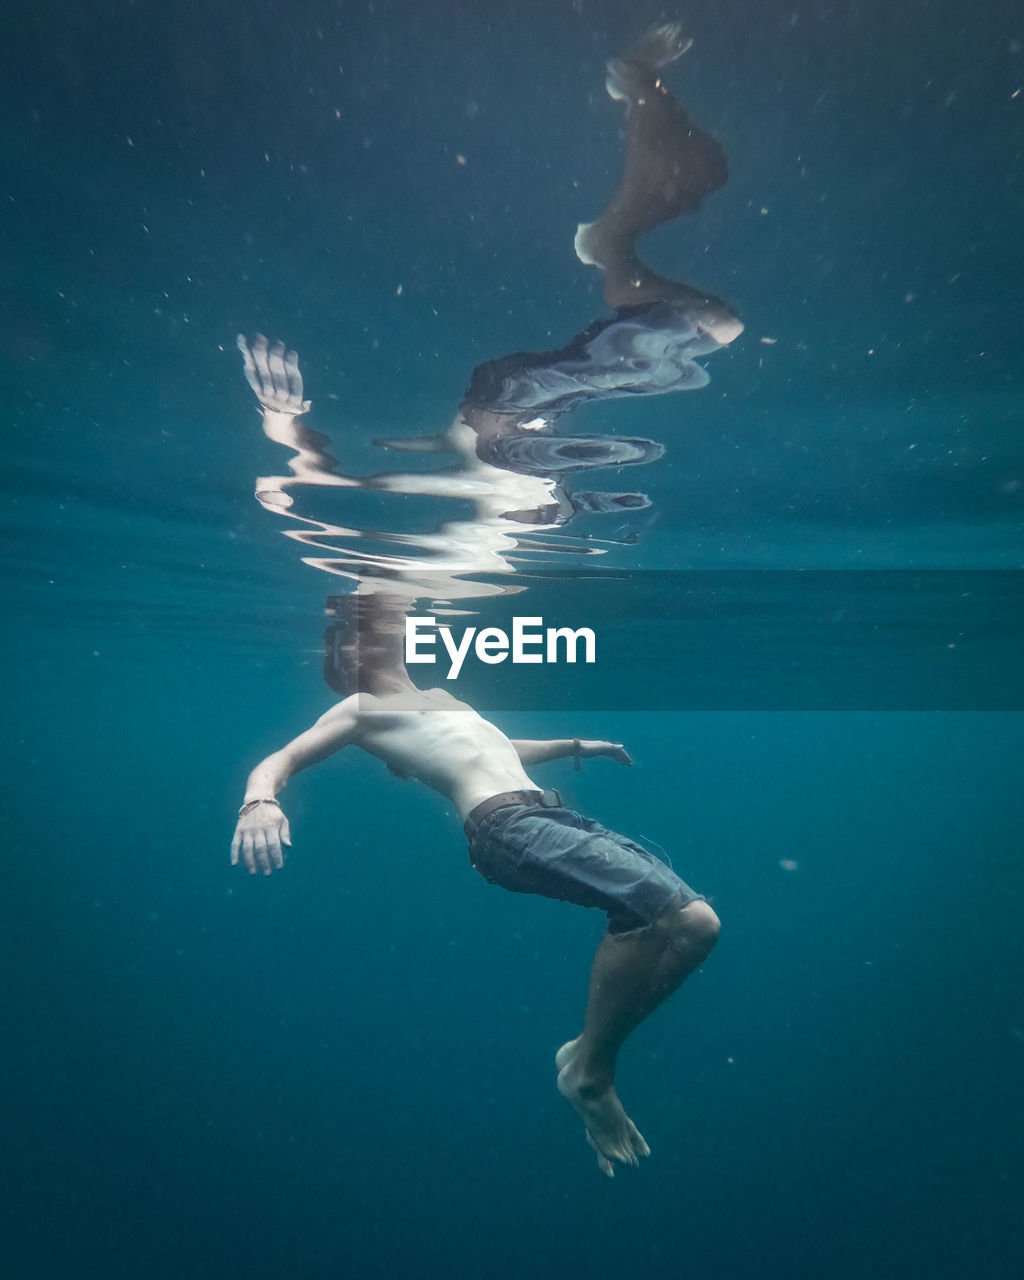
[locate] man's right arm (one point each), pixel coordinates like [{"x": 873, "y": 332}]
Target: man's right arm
[
  {"x": 273, "y": 373},
  {"x": 262, "y": 830}
]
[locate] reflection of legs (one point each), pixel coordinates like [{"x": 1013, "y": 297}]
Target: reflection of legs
[
  {"x": 632, "y": 974},
  {"x": 670, "y": 167}
]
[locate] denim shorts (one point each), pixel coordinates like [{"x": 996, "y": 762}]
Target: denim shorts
[{"x": 558, "y": 853}]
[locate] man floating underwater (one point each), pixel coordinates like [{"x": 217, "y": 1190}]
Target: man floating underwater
[{"x": 522, "y": 837}]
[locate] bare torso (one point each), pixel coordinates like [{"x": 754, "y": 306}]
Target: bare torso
[{"x": 433, "y": 737}]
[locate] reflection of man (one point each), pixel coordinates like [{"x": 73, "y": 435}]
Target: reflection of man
[
  {"x": 523, "y": 839},
  {"x": 512, "y": 463}
]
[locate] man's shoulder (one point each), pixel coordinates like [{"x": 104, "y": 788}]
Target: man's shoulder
[{"x": 344, "y": 714}]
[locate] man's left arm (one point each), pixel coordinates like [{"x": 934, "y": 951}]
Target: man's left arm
[{"x": 532, "y": 751}]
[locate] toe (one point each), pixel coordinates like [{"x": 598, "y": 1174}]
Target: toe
[
  {"x": 603, "y": 1163},
  {"x": 639, "y": 1142}
]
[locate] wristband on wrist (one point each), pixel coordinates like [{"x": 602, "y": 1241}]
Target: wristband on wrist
[{"x": 251, "y": 804}]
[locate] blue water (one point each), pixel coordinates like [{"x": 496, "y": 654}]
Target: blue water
[{"x": 346, "y": 1069}]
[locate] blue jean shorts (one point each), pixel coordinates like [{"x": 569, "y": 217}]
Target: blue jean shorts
[{"x": 557, "y": 853}]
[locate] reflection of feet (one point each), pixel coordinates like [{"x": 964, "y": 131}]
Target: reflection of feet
[
  {"x": 635, "y": 74},
  {"x": 611, "y": 1133}
]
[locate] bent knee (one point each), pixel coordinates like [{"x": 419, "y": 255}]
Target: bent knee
[
  {"x": 695, "y": 925},
  {"x": 701, "y": 922}
]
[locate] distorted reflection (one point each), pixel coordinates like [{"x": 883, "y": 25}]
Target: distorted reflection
[{"x": 510, "y": 472}]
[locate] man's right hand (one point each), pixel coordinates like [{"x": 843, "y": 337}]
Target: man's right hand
[
  {"x": 273, "y": 373},
  {"x": 259, "y": 839}
]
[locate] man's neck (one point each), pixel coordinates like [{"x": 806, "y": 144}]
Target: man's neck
[{"x": 386, "y": 684}]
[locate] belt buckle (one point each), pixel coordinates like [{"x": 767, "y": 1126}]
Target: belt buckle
[{"x": 550, "y": 799}]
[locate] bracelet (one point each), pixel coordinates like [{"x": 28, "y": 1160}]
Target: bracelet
[
  {"x": 251, "y": 804},
  {"x": 576, "y": 754}
]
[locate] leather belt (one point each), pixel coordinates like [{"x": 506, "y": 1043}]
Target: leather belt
[{"x": 549, "y": 799}]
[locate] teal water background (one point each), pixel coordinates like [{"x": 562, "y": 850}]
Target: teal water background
[{"x": 347, "y": 1069}]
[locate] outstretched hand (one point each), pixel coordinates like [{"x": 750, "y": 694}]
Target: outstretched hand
[
  {"x": 273, "y": 373},
  {"x": 259, "y": 839},
  {"x": 613, "y": 750}
]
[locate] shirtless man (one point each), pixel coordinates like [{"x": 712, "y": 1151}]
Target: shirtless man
[
  {"x": 521, "y": 837},
  {"x": 525, "y": 840}
]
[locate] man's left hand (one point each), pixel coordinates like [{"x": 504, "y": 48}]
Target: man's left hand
[{"x": 613, "y": 750}]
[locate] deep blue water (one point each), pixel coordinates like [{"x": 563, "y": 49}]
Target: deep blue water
[{"x": 346, "y": 1069}]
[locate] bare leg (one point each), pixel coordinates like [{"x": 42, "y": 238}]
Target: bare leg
[{"x": 631, "y": 975}]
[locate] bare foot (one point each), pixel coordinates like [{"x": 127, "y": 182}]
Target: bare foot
[{"x": 610, "y": 1132}]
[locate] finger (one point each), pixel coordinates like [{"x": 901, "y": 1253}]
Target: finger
[
  {"x": 247, "y": 856},
  {"x": 243, "y": 346},
  {"x": 278, "y": 373},
  {"x": 286, "y": 832},
  {"x": 236, "y": 844},
  {"x": 249, "y": 365},
  {"x": 259, "y": 357},
  {"x": 262, "y": 855},
  {"x": 291, "y": 368},
  {"x": 276, "y": 853}
]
